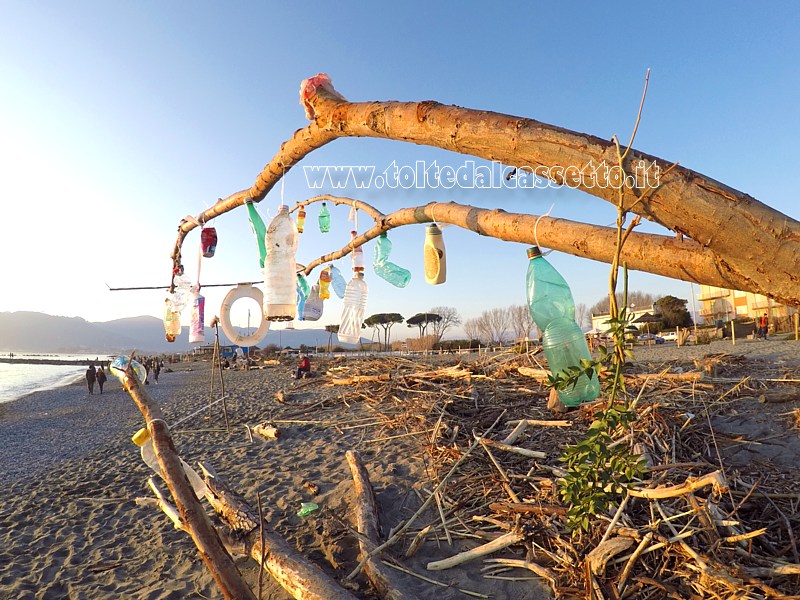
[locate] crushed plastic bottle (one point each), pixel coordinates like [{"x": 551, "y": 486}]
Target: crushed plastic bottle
[
  {"x": 302, "y": 294},
  {"x": 280, "y": 268},
  {"x": 324, "y": 219},
  {"x": 306, "y": 508},
  {"x": 553, "y": 310},
  {"x": 338, "y": 282},
  {"x": 394, "y": 274},
  {"x": 324, "y": 283},
  {"x": 259, "y": 230},
  {"x": 312, "y": 309}
]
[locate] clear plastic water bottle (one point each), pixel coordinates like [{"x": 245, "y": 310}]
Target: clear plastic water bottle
[
  {"x": 549, "y": 296},
  {"x": 312, "y": 309},
  {"x": 280, "y": 268},
  {"x": 394, "y": 274},
  {"x": 564, "y": 345},
  {"x": 259, "y": 230},
  {"x": 324, "y": 219},
  {"x": 142, "y": 439},
  {"x": 338, "y": 283},
  {"x": 355, "y": 303},
  {"x": 172, "y": 321}
]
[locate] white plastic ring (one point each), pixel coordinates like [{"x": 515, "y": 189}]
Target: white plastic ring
[{"x": 243, "y": 290}]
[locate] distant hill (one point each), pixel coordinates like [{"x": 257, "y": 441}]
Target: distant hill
[{"x": 41, "y": 333}]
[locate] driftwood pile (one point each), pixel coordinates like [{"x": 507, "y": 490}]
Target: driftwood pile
[{"x": 693, "y": 527}]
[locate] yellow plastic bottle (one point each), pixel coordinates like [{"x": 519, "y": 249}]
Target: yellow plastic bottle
[{"x": 435, "y": 256}]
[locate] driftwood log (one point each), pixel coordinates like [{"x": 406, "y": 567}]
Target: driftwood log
[
  {"x": 300, "y": 577},
  {"x": 384, "y": 580},
  {"x": 193, "y": 517}
]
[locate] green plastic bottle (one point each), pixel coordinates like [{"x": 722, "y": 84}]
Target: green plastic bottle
[
  {"x": 324, "y": 219},
  {"x": 553, "y": 310},
  {"x": 394, "y": 274},
  {"x": 549, "y": 296}
]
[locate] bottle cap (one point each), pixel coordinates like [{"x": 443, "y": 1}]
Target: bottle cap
[
  {"x": 534, "y": 251},
  {"x": 433, "y": 229},
  {"x": 140, "y": 437}
]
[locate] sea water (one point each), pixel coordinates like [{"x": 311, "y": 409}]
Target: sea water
[{"x": 20, "y": 379}]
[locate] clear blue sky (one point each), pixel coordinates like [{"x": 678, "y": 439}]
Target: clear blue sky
[{"x": 119, "y": 118}]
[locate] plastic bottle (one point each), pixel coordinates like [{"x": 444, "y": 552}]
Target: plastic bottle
[
  {"x": 549, "y": 296},
  {"x": 142, "y": 439},
  {"x": 324, "y": 283},
  {"x": 338, "y": 283},
  {"x": 301, "y": 219},
  {"x": 394, "y": 274},
  {"x": 259, "y": 230},
  {"x": 564, "y": 345},
  {"x": 197, "y": 329},
  {"x": 302, "y": 294},
  {"x": 355, "y": 303},
  {"x": 435, "y": 256},
  {"x": 172, "y": 320},
  {"x": 280, "y": 279},
  {"x": 324, "y": 219},
  {"x": 312, "y": 309},
  {"x": 183, "y": 291},
  {"x": 357, "y": 254},
  {"x": 306, "y": 508}
]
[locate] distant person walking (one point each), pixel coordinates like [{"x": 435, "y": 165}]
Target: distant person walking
[
  {"x": 101, "y": 378},
  {"x": 156, "y": 370},
  {"x": 763, "y": 326},
  {"x": 91, "y": 375}
]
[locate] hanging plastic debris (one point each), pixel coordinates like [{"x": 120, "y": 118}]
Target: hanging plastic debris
[
  {"x": 259, "y": 230},
  {"x": 324, "y": 219},
  {"x": 280, "y": 268},
  {"x": 394, "y": 274},
  {"x": 208, "y": 241}
]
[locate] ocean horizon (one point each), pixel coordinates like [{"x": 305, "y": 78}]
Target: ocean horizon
[{"x": 20, "y": 379}]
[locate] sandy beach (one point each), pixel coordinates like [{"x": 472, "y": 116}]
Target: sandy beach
[{"x": 70, "y": 527}]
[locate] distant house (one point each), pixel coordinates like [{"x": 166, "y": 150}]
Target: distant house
[{"x": 720, "y": 304}]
